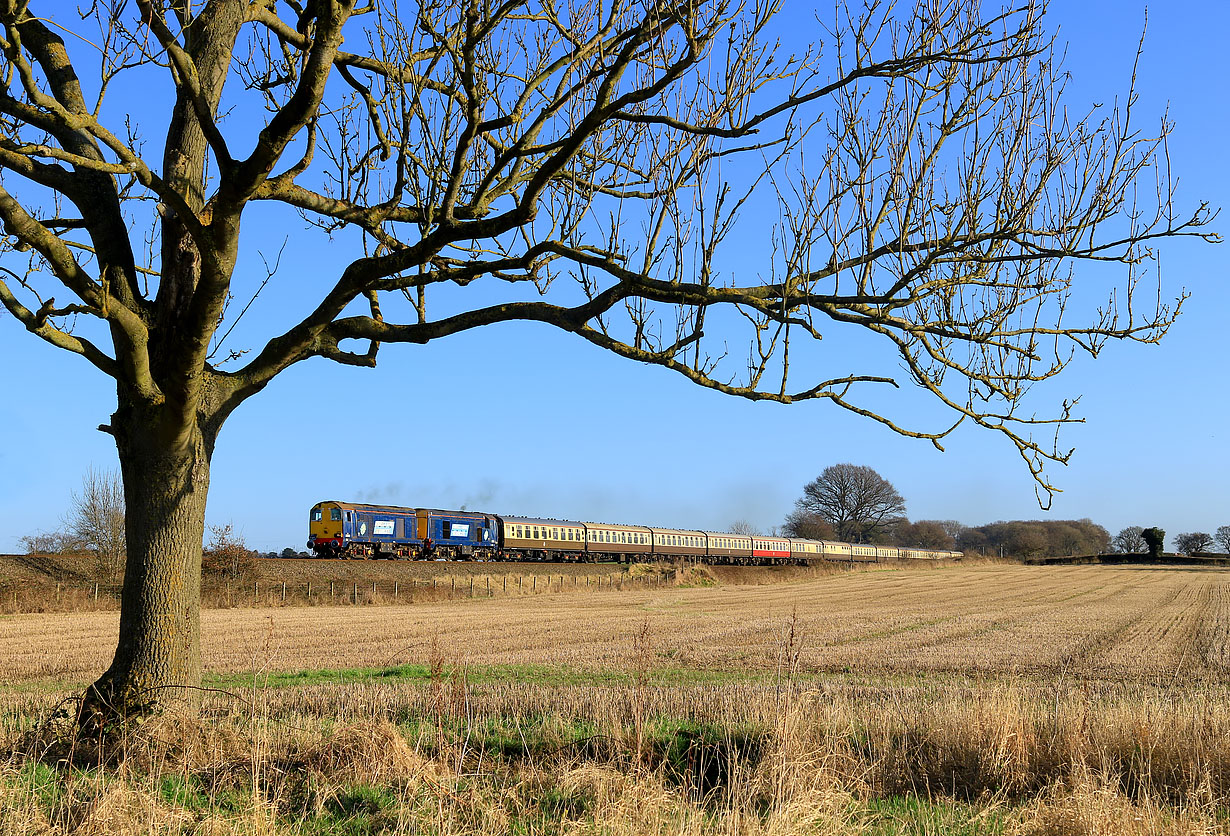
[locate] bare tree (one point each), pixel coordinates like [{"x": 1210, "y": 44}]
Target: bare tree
[
  {"x": 1223, "y": 537},
  {"x": 807, "y": 525},
  {"x": 925, "y": 534},
  {"x": 1130, "y": 540},
  {"x": 855, "y": 500},
  {"x": 228, "y": 552},
  {"x": 51, "y": 542},
  {"x": 917, "y": 173},
  {"x": 1194, "y": 542},
  {"x": 743, "y": 527},
  {"x": 953, "y": 528},
  {"x": 96, "y": 520}
]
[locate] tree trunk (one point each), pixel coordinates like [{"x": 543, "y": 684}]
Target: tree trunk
[{"x": 157, "y": 662}]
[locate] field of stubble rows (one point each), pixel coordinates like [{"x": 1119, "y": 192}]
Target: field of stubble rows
[
  {"x": 966, "y": 700},
  {"x": 1106, "y": 623}
]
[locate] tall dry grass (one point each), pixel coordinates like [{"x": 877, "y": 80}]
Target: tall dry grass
[{"x": 451, "y": 757}]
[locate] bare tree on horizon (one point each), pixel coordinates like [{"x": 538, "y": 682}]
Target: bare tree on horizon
[{"x": 855, "y": 500}]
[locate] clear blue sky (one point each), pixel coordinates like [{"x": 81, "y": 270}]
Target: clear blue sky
[{"x": 1153, "y": 451}]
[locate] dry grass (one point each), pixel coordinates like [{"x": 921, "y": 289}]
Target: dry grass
[
  {"x": 986, "y": 700},
  {"x": 449, "y": 757}
]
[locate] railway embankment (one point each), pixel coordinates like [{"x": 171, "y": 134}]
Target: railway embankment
[{"x": 68, "y": 583}]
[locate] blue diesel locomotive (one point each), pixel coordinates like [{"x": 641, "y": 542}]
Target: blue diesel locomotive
[{"x": 351, "y": 530}]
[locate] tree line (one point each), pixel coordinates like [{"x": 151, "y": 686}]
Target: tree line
[{"x": 854, "y": 503}]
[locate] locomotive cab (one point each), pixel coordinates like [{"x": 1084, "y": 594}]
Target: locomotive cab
[{"x": 325, "y": 529}]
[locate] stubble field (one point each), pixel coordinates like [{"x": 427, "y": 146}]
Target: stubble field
[
  {"x": 988, "y": 699},
  {"x": 1092, "y": 622}
]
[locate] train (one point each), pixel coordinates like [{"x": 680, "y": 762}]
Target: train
[{"x": 355, "y": 530}]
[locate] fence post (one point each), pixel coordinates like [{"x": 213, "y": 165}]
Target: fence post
[
  {"x": 356, "y": 592},
  {"x": 331, "y": 598},
  {"x": 283, "y": 592},
  {"x": 256, "y": 591},
  {"x": 396, "y": 589},
  {"x": 535, "y": 587},
  {"x": 373, "y": 592},
  {"x": 471, "y": 586},
  {"x": 506, "y": 583},
  {"x": 95, "y": 592}
]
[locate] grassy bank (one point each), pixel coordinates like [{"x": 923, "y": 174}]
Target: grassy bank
[{"x": 452, "y": 751}]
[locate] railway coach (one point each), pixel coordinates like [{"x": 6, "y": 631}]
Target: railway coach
[{"x": 347, "y": 529}]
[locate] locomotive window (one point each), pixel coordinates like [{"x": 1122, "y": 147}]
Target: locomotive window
[
  {"x": 316, "y": 515},
  {"x": 335, "y": 514}
]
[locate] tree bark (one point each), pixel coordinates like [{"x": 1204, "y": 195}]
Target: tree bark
[{"x": 157, "y": 664}]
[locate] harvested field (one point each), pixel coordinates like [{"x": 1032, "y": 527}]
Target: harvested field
[
  {"x": 1116, "y": 624},
  {"x": 993, "y": 700}
]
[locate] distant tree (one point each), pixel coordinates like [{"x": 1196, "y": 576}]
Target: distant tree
[
  {"x": 1193, "y": 542},
  {"x": 1130, "y": 540},
  {"x": 51, "y": 542},
  {"x": 855, "y": 500},
  {"x": 289, "y": 552},
  {"x": 1155, "y": 539},
  {"x": 96, "y": 519},
  {"x": 1025, "y": 540},
  {"x": 952, "y": 528},
  {"x": 1223, "y": 537},
  {"x": 226, "y": 552},
  {"x": 975, "y": 540},
  {"x": 926, "y": 534},
  {"x": 808, "y": 526},
  {"x": 743, "y": 527}
]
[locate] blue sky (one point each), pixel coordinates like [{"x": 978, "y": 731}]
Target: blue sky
[{"x": 451, "y": 424}]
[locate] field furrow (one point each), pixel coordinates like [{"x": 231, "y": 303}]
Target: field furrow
[{"x": 1111, "y": 623}]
